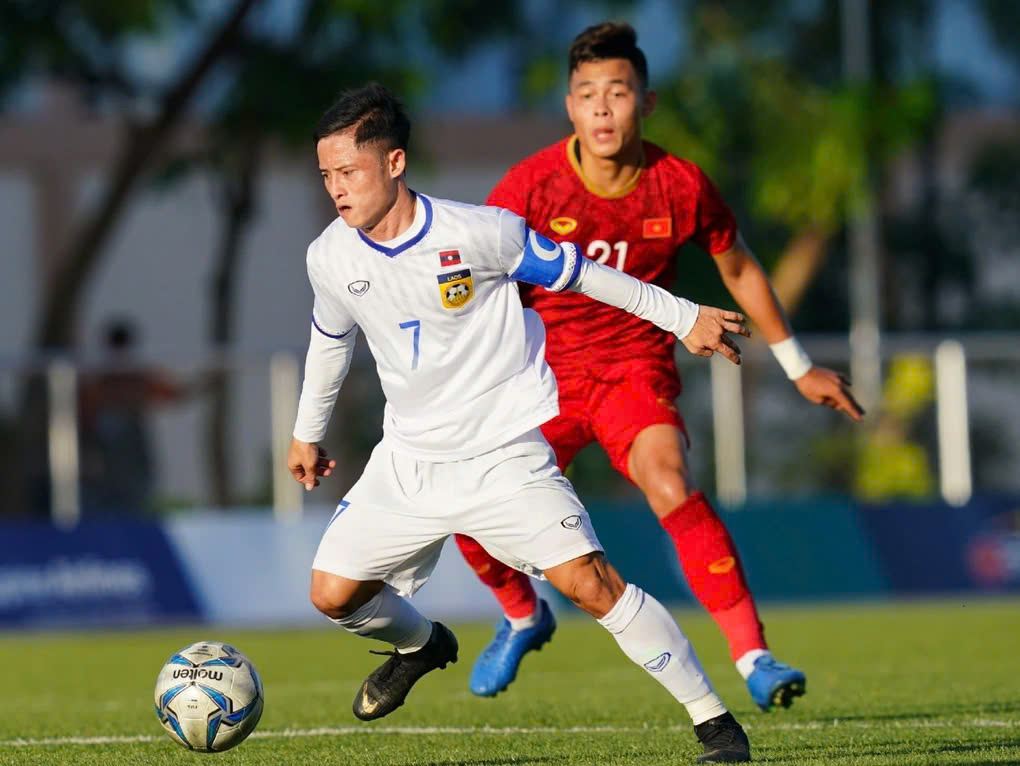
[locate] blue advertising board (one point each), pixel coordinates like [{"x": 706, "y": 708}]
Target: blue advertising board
[
  {"x": 99, "y": 573},
  {"x": 801, "y": 550},
  {"x": 938, "y": 548},
  {"x": 248, "y": 568}
]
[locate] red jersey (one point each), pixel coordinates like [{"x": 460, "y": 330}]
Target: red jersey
[{"x": 637, "y": 230}]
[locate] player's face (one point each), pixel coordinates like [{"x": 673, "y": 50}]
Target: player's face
[
  {"x": 362, "y": 181},
  {"x": 606, "y": 102}
]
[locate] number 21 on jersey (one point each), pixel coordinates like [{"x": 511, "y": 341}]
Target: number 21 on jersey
[{"x": 600, "y": 250}]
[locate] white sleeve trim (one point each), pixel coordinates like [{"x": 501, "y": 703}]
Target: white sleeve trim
[
  {"x": 326, "y": 366},
  {"x": 650, "y": 302},
  {"x": 571, "y": 268}
]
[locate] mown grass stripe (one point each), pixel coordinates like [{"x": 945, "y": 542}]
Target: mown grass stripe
[{"x": 919, "y": 723}]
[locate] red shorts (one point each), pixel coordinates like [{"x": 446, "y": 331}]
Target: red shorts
[{"x": 612, "y": 405}]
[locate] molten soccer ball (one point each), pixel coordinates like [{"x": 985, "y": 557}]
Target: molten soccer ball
[{"x": 208, "y": 697}]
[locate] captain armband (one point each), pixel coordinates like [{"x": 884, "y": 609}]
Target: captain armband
[{"x": 546, "y": 263}]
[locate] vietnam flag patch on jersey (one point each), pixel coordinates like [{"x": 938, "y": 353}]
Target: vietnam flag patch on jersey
[
  {"x": 449, "y": 257},
  {"x": 656, "y": 227},
  {"x": 456, "y": 288}
]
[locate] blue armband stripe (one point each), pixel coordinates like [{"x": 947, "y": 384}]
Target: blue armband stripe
[{"x": 542, "y": 263}]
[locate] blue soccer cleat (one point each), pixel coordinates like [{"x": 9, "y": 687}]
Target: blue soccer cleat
[
  {"x": 774, "y": 683},
  {"x": 496, "y": 667}
]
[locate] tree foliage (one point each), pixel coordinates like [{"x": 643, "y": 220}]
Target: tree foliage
[{"x": 81, "y": 42}]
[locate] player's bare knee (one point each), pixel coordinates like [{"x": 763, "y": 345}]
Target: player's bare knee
[
  {"x": 594, "y": 585},
  {"x": 334, "y": 596},
  {"x": 592, "y": 594},
  {"x": 667, "y": 485},
  {"x": 323, "y": 600}
]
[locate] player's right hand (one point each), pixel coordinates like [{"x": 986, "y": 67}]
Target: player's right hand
[
  {"x": 709, "y": 336},
  {"x": 307, "y": 461}
]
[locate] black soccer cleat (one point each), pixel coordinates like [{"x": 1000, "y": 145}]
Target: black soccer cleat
[
  {"x": 724, "y": 740},
  {"x": 387, "y": 686}
]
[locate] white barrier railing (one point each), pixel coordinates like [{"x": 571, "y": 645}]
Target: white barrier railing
[
  {"x": 284, "y": 391},
  {"x": 62, "y": 435},
  {"x": 728, "y": 427},
  {"x": 950, "y": 359},
  {"x": 953, "y": 428}
]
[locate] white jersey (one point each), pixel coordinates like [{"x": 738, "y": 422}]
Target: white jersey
[{"x": 462, "y": 365}]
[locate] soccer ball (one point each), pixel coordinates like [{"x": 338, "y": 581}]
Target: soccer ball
[
  {"x": 457, "y": 294},
  {"x": 208, "y": 697}
]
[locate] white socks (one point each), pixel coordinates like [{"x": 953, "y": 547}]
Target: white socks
[
  {"x": 523, "y": 623},
  {"x": 650, "y": 637},
  {"x": 745, "y": 665},
  {"x": 390, "y": 618}
]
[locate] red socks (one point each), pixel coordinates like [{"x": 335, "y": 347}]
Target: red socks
[
  {"x": 710, "y": 562},
  {"x": 511, "y": 588}
]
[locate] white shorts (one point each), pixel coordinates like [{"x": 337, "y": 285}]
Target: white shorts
[{"x": 513, "y": 500}]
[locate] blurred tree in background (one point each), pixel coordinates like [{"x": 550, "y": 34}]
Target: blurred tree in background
[
  {"x": 275, "y": 80},
  {"x": 763, "y": 105},
  {"x": 85, "y": 46},
  {"x": 759, "y": 99}
]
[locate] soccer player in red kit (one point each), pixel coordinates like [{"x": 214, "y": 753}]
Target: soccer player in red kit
[{"x": 631, "y": 205}]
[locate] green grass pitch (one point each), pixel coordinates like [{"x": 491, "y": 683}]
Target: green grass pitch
[{"x": 902, "y": 683}]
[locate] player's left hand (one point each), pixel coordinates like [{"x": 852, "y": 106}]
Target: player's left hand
[
  {"x": 831, "y": 388},
  {"x": 307, "y": 461},
  {"x": 709, "y": 334}
]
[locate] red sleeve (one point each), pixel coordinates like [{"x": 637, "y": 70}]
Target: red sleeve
[
  {"x": 716, "y": 227},
  {"x": 512, "y": 192}
]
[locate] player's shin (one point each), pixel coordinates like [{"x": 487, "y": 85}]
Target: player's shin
[
  {"x": 650, "y": 637},
  {"x": 711, "y": 564},
  {"x": 391, "y": 618}
]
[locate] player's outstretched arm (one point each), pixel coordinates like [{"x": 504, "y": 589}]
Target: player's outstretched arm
[
  {"x": 749, "y": 284},
  {"x": 307, "y": 461},
  {"x": 537, "y": 260},
  {"x": 702, "y": 329}
]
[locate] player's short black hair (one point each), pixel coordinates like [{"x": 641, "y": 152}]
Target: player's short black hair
[
  {"x": 608, "y": 40},
  {"x": 377, "y": 113}
]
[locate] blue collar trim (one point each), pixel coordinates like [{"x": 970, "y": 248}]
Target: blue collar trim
[{"x": 394, "y": 251}]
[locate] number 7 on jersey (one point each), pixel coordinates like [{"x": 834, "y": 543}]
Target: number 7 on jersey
[{"x": 415, "y": 325}]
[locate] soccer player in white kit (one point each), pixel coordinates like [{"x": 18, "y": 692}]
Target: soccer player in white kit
[{"x": 432, "y": 286}]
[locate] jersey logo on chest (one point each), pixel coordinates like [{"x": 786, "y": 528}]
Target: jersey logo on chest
[
  {"x": 359, "y": 288},
  {"x": 456, "y": 288},
  {"x": 563, "y": 225},
  {"x": 652, "y": 228}
]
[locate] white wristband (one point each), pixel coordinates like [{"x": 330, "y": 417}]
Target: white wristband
[{"x": 791, "y": 357}]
